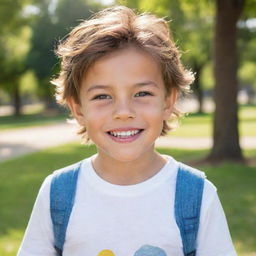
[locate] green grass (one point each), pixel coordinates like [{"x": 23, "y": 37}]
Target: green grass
[
  {"x": 21, "y": 178},
  {"x": 200, "y": 125},
  {"x": 29, "y": 120}
]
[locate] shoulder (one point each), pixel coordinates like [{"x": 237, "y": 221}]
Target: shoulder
[
  {"x": 191, "y": 171},
  {"x": 66, "y": 169},
  {"x": 194, "y": 180},
  {"x": 210, "y": 190},
  {"x": 45, "y": 187}
]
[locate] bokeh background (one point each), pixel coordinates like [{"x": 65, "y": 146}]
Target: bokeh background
[{"x": 217, "y": 39}]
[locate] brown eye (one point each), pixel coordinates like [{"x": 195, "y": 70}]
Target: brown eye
[
  {"x": 101, "y": 97},
  {"x": 143, "y": 94}
]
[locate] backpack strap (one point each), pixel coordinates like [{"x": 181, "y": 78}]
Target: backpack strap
[
  {"x": 188, "y": 199},
  {"x": 62, "y": 195}
]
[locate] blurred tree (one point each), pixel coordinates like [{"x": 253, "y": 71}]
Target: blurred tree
[
  {"x": 225, "y": 131},
  {"x": 247, "y": 56},
  {"x": 191, "y": 23},
  {"x": 52, "y": 23},
  {"x": 196, "y": 35},
  {"x": 14, "y": 47},
  {"x": 41, "y": 57},
  {"x": 11, "y": 15},
  {"x": 187, "y": 17},
  {"x": 248, "y": 80}
]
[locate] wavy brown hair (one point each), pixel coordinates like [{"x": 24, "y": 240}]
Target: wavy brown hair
[{"x": 112, "y": 29}]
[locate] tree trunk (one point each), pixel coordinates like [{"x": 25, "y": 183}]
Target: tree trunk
[
  {"x": 17, "y": 100},
  {"x": 48, "y": 98},
  {"x": 225, "y": 135},
  {"x": 198, "y": 88},
  {"x": 50, "y": 103}
]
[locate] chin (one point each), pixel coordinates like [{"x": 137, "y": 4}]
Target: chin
[
  {"x": 118, "y": 156},
  {"x": 124, "y": 157}
]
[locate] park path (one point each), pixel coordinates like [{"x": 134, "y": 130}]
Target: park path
[{"x": 23, "y": 141}]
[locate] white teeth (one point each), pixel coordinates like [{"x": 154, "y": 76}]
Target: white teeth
[{"x": 124, "y": 133}]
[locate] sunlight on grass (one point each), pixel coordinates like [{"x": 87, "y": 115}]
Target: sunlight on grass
[
  {"x": 10, "y": 242},
  {"x": 29, "y": 120},
  {"x": 195, "y": 125},
  {"x": 20, "y": 180}
]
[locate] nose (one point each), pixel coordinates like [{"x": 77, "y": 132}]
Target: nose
[{"x": 123, "y": 110}]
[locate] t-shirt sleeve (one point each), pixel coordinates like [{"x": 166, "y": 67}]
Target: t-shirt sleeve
[
  {"x": 38, "y": 239},
  {"x": 213, "y": 236}
]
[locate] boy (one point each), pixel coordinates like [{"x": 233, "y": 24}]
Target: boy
[{"x": 120, "y": 76}]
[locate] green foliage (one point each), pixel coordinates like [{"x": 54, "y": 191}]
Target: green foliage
[
  {"x": 247, "y": 47},
  {"x": 11, "y": 18},
  {"x": 77, "y": 11},
  {"x": 33, "y": 37},
  {"x": 15, "y": 47},
  {"x": 247, "y": 73},
  {"x": 41, "y": 57},
  {"x": 12, "y": 21},
  {"x": 50, "y": 25},
  {"x": 191, "y": 28},
  {"x": 249, "y": 9},
  {"x": 29, "y": 83},
  {"x": 190, "y": 23},
  {"x": 207, "y": 76}
]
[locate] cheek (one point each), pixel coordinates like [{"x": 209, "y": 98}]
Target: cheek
[
  {"x": 95, "y": 115},
  {"x": 153, "y": 108}
]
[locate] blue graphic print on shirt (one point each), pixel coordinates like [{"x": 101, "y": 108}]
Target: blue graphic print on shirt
[
  {"x": 148, "y": 250},
  {"x": 145, "y": 250}
]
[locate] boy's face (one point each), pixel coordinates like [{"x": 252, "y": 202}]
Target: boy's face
[{"x": 123, "y": 104}]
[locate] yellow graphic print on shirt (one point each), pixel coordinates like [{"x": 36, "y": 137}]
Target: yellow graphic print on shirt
[
  {"x": 106, "y": 253},
  {"x": 145, "y": 250}
]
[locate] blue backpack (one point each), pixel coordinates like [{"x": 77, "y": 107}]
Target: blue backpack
[{"x": 188, "y": 198}]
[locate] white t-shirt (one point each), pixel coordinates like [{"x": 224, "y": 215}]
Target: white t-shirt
[{"x": 130, "y": 220}]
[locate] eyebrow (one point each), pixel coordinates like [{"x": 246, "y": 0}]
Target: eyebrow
[{"x": 141, "y": 84}]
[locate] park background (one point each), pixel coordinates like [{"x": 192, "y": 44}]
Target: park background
[{"x": 218, "y": 42}]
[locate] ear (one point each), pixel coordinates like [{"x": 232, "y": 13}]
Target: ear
[
  {"x": 76, "y": 110},
  {"x": 170, "y": 101}
]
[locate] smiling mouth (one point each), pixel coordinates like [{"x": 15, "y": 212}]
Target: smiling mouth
[{"x": 125, "y": 134}]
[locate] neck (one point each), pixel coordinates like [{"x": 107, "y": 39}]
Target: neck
[{"x": 128, "y": 173}]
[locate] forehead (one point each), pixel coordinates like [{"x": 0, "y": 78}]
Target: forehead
[{"x": 129, "y": 65}]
